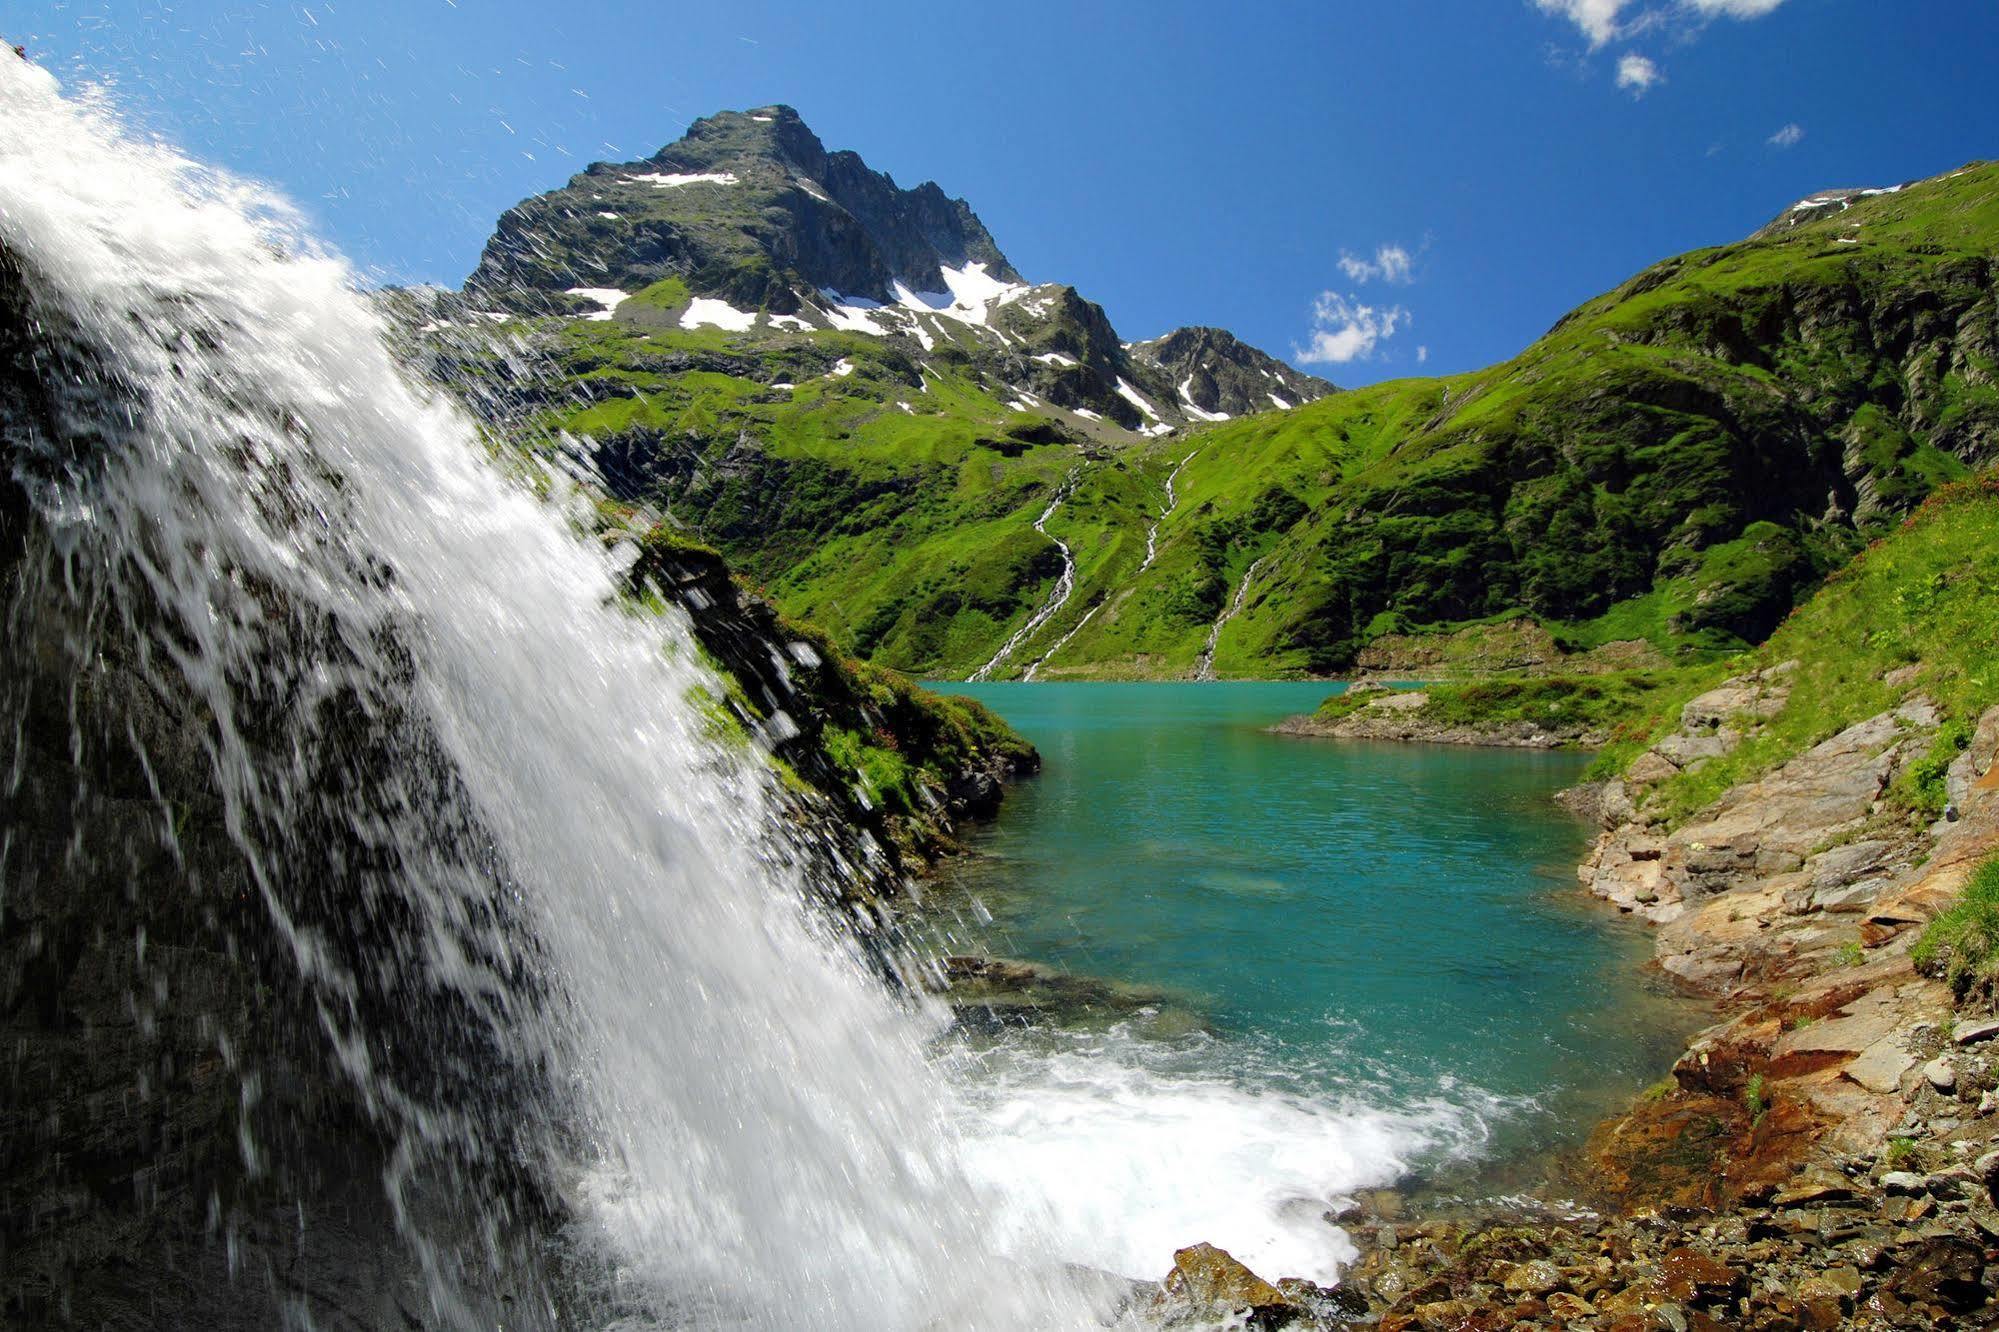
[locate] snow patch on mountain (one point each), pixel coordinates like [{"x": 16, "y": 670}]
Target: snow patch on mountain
[
  {"x": 607, "y": 297},
  {"x": 1132, "y": 396},
  {"x": 706, "y": 310},
  {"x": 673, "y": 180},
  {"x": 1194, "y": 409}
]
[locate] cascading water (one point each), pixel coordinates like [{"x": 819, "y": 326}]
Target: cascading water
[{"x": 537, "y": 920}]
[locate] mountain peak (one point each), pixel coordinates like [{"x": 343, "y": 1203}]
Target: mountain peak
[
  {"x": 1215, "y": 373},
  {"x": 747, "y": 206}
]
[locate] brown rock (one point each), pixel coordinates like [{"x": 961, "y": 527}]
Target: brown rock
[
  {"x": 1563, "y": 1305},
  {"x": 1686, "y": 1275},
  {"x": 1209, "y": 1282},
  {"x": 1441, "y": 1316},
  {"x": 1533, "y": 1278},
  {"x": 1814, "y": 1185},
  {"x": 1943, "y": 1270},
  {"x": 1630, "y": 1300}
]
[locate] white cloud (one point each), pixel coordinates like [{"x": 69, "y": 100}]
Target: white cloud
[
  {"x": 1422, "y": 355},
  {"x": 1391, "y": 263},
  {"x": 1788, "y": 136},
  {"x": 1599, "y": 20},
  {"x": 1596, "y": 18},
  {"x": 1736, "y": 9},
  {"x": 1638, "y": 73},
  {"x": 1347, "y": 330}
]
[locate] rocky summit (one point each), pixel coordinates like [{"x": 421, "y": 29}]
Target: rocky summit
[
  {"x": 750, "y": 207},
  {"x": 748, "y": 224}
]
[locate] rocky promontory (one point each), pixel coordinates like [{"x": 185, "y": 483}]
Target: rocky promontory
[{"x": 1558, "y": 712}]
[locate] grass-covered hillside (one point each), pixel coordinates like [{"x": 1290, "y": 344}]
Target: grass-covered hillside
[
  {"x": 1913, "y": 614},
  {"x": 1679, "y": 461},
  {"x": 1002, "y": 485}
]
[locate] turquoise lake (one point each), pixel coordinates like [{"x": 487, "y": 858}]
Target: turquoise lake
[{"x": 1380, "y": 938}]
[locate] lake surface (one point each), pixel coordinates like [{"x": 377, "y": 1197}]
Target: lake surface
[{"x": 1378, "y": 954}]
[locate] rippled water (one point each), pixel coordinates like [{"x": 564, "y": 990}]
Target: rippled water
[{"x": 1384, "y": 964}]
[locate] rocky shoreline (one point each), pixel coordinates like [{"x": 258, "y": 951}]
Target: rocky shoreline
[{"x": 1826, "y": 1154}]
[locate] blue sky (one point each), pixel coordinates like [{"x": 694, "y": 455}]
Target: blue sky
[{"x": 1390, "y": 188}]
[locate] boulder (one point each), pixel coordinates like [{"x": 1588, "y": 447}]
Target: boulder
[{"x": 1208, "y": 1284}]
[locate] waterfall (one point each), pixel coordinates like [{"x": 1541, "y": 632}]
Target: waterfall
[{"x": 546, "y": 927}]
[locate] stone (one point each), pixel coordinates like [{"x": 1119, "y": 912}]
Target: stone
[
  {"x": 1986, "y": 1168},
  {"x": 1686, "y": 1275},
  {"x": 1650, "y": 768},
  {"x": 1879, "y": 1068},
  {"x": 1902, "y": 1181},
  {"x": 1401, "y": 700},
  {"x": 1856, "y": 896},
  {"x": 1847, "y": 864},
  {"x": 1815, "y": 1184},
  {"x": 1833, "y": 1281},
  {"x": 1973, "y": 1033},
  {"x": 1209, "y": 1282},
  {"x": 1741, "y": 696},
  {"x": 1442, "y": 1315},
  {"x": 1533, "y": 1278},
  {"x": 1561, "y": 1304},
  {"x": 1939, "y": 1074},
  {"x": 1630, "y": 1300},
  {"x": 1941, "y": 1270}
]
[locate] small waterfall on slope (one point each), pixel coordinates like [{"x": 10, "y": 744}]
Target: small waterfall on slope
[{"x": 534, "y": 924}]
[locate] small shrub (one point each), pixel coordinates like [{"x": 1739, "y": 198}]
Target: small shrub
[
  {"x": 1901, "y": 1152},
  {"x": 1923, "y": 787},
  {"x": 1755, "y": 1096},
  {"x": 1850, "y": 954},
  {"x": 1962, "y": 943}
]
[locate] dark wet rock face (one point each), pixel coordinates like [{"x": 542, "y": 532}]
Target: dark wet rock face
[{"x": 179, "y": 1143}]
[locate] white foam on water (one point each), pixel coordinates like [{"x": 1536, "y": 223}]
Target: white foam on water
[{"x": 1120, "y": 1151}]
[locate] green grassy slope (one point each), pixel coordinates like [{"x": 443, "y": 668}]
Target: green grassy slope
[
  {"x": 1920, "y": 604},
  {"x": 1679, "y": 460},
  {"x": 882, "y": 490},
  {"x": 1913, "y": 614}
]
